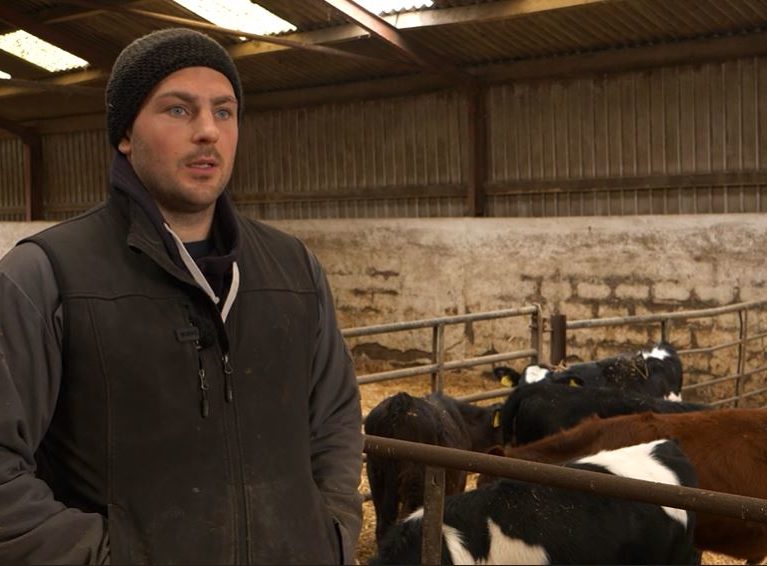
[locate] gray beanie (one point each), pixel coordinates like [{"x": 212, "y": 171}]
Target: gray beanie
[{"x": 151, "y": 58}]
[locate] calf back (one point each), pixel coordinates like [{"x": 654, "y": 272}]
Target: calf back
[{"x": 728, "y": 448}]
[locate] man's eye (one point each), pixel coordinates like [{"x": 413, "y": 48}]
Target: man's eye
[
  {"x": 176, "y": 111},
  {"x": 223, "y": 114}
]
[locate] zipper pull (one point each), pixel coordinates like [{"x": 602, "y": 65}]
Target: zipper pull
[
  {"x": 204, "y": 403},
  {"x": 228, "y": 379}
]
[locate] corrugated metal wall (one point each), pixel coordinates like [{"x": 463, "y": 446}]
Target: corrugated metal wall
[
  {"x": 670, "y": 140},
  {"x": 75, "y": 172},
  {"x": 662, "y": 141},
  {"x": 380, "y": 158},
  {"x": 11, "y": 179}
]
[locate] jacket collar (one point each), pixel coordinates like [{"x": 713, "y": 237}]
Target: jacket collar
[{"x": 149, "y": 232}]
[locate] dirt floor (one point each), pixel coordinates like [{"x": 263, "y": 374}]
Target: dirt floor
[{"x": 456, "y": 384}]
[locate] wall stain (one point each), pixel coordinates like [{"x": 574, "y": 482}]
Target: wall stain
[
  {"x": 386, "y": 274},
  {"x": 376, "y": 351}
]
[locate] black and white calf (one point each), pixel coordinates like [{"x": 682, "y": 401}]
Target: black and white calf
[
  {"x": 656, "y": 372},
  {"x": 514, "y": 522},
  {"x": 541, "y": 409},
  {"x": 396, "y": 486}
]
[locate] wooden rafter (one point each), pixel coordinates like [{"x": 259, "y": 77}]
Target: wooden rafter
[
  {"x": 74, "y": 78},
  {"x": 280, "y": 41},
  {"x": 52, "y": 87},
  {"x": 500, "y": 10},
  {"x": 93, "y": 55},
  {"x": 404, "y": 45}
]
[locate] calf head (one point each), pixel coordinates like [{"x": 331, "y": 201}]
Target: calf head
[{"x": 483, "y": 424}]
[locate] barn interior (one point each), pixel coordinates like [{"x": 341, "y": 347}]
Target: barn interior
[{"x": 599, "y": 159}]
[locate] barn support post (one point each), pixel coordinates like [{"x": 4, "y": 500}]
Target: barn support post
[
  {"x": 558, "y": 338},
  {"x": 433, "y": 509},
  {"x": 477, "y": 150},
  {"x": 742, "y": 346},
  {"x": 438, "y": 357},
  {"x": 33, "y": 189}
]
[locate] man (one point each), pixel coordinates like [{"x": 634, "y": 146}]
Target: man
[{"x": 173, "y": 385}]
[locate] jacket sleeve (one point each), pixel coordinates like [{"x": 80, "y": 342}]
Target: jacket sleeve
[
  {"x": 336, "y": 422},
  {"x": 34, "y": 527}
]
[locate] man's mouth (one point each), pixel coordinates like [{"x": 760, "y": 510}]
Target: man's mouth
[{"x": 205, "y": 163}]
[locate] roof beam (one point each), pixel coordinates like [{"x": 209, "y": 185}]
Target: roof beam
[
  {"x": 53, "y": 87},
  {"x": 280, "y": 41},
  {"x": 500, "y": 10},
  {"x": 66, "y": 79},
  {"x": 25, "y": 134},
  {"x": 95, "y": 57},
  {"x": 404, "y": 45}
]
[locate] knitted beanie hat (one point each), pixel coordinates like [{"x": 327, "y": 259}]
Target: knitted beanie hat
[{"x": 151, "y": 58}]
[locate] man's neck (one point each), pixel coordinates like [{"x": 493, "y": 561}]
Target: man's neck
[{"x": 190, "y": 227}]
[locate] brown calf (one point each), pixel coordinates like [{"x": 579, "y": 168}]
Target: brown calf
[{"x": 728, "y": 448}]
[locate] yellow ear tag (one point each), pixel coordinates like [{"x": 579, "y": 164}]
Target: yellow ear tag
[
  {"x": 573, "y": 383},
  {"x": 496, "y": 419},
  {"x": 506, "y": 382}
]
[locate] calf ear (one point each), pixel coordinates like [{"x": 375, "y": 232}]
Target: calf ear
[
  {"x": 508, "y": 377},
  {"x": 569, "y": 380}
]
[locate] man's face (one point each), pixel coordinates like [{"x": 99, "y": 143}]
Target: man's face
[{"x": 183, "y": 140}]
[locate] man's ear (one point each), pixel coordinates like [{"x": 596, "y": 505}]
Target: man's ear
[{"x": 124, "y": 146}]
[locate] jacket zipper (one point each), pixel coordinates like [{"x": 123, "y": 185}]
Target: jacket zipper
[
  {"x": 228, "y": 394},
  {"x": 204, "y": 403}
]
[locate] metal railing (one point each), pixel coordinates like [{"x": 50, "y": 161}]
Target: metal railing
[
  {"x": 561, "y": 327},
  {"x": 437, "y": 458},
  {"x": 439, "y": 365}
]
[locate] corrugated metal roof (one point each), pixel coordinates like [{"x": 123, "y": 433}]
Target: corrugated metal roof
[{"x": 464, "y": 34}]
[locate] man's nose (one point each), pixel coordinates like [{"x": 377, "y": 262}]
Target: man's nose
[{"x": 206, "y": 129}]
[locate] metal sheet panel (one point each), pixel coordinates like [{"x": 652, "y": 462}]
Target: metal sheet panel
[
  {"x": 327, "y": 155},
  {"x": 75, "y": 172},
  {"x": 622, "y": 202},
  {"x": 656, "y": 124}
]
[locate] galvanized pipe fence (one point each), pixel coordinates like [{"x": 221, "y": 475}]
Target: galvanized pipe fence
[
  {"x": 439, "y": 365},
  {"x": 561, "y": 328},
  {"x": 438, "y": 458}
]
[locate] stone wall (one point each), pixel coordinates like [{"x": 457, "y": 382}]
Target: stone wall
[
  {"x": 387, "y": 270},
  {"x": 590, "y": 267}
]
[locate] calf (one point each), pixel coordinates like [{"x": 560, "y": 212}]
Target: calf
[
  {"x": 656, "y": 372},
  {"x": 397, "y": 486},
  {"x": 542, "y": 409},
  {"x": 728, "y": 448},
  {"x": 513, "y": 522}
]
